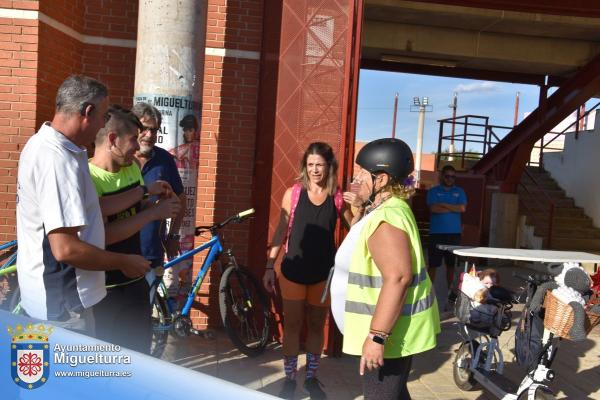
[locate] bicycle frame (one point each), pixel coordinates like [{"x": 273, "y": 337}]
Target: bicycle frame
[
  {"x": 9, "y": 266},
  {"x": 215, "y": 249}
]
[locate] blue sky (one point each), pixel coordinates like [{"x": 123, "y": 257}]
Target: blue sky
[{"x": 376, "y": 102}]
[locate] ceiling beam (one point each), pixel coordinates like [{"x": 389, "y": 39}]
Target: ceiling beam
[
  {"x": 470, "y": 49},
  {"x": 499, "y": 76}
]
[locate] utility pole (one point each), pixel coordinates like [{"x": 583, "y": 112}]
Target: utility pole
[
  {"x": 168, "y": 74},
  {"x": 453, "y": 106},
  {"x": 516, "y": 122},
  {"x": 395, "y": 114},
  {"x": 422, "y": 106}
]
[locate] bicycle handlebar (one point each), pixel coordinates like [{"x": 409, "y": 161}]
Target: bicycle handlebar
[
  {"x": 246, "y": 213},
  {"x": 239, "y": 217}
]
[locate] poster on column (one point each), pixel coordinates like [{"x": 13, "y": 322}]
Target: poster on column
[{"x": 180, "y": 135}]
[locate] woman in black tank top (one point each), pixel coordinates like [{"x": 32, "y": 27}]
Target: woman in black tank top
[{"x": 313, "y": 205}]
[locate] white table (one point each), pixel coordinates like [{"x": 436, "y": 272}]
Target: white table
[{"x": 543, "y": 256}]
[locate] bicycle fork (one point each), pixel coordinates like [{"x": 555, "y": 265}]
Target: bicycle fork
[{"x": 245, "y": 293}]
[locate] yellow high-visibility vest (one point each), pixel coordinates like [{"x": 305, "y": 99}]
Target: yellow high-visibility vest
[{"x": 419, "y": 322}]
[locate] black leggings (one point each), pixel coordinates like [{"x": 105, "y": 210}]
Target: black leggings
[{"x": 389, "y": 381}]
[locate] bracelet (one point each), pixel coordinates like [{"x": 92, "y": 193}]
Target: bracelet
[{"x": 382, "y": 333}]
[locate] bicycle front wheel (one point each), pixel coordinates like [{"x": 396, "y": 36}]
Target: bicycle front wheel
[
  {"x": 161, "y": 324},
  {"x": 244, "y": 311}
]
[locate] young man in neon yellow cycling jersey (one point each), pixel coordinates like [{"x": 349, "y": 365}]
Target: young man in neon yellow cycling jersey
[{"x": 124, "y": 316}]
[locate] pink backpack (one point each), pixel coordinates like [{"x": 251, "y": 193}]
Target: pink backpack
[{"x": 338, "y": 200}]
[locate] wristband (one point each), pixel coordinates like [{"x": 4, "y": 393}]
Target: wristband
[{"x": 145, "y": 194}]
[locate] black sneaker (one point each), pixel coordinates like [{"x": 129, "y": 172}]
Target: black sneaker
[
  {"x": 288, "y": 389},
  {"x": 313, "y": 387},
  {"x": 452, "y": 297}
]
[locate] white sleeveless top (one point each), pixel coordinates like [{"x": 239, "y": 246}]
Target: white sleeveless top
[{"x": 339, "y": 282}]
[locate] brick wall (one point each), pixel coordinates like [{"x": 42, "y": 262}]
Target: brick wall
[
  {"x": 31, "y": 73},
  {"x": 111, "y": 18},
  {"x": 59, "y": 57},
  {"x": 18, "y": 74},
  {"x": 228, "y": 134},
  {"x": 115, "y": 67}
]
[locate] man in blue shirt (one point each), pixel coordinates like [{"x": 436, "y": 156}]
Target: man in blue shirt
[
  {"x": 158, "y": 164},
  {"x": 446, "y": 203}
]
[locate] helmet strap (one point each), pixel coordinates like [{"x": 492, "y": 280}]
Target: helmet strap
[{"x": 371, "y": 200}]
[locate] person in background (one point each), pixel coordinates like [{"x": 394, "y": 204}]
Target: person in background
[
  {"x": 158, "y": 164},
  {"x": 309, "y": 213},
  {"x": 390, "y": 310},
  {"x": 446, "y": 203}
]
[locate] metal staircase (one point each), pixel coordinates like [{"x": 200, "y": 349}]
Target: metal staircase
[{"x": 554, "y": 217}]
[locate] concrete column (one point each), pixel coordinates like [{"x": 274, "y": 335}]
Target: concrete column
[
  {"x": 169, "y": 73},
  {"x": 504, "y": 220}
]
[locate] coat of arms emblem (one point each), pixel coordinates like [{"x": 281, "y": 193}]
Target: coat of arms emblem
[{"x": 30, "y": 355}]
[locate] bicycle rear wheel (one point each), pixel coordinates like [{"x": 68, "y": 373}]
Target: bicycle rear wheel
[
  {"x": 244, "y": 311},
  {"x": 161, "y": 324}
]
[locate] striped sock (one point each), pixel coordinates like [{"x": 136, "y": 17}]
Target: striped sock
[
  {"x": 290, "y": 366},
  {"x": 312, "y": 363}
]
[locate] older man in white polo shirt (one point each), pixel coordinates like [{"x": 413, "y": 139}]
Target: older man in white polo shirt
[{"x": 60, "y": 229}]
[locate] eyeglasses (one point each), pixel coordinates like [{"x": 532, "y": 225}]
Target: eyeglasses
[
  {"x": 449, "y": 176},
  {"x": 153, "y": 131}
]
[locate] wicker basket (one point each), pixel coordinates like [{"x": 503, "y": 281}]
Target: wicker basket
[{"x": 558, "y": 317}]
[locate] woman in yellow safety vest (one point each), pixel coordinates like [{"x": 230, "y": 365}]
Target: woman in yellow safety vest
[{"x": 390, "y": 310}]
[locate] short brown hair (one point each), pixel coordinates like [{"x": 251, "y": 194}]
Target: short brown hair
[{"x": 121, "y": 121}]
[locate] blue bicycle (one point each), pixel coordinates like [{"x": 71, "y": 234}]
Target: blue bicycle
[
  {"x": 242, "y": 301},
  {"x": 10, "y": 296}
]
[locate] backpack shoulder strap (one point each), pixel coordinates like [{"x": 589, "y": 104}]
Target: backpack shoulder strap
[
  {"x": 296, "y": 189},
  {"x": 338, "y": 199}
]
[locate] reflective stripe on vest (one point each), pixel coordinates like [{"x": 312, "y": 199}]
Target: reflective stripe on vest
[
  {"x": 407, "y": 310},
  {"x": 369, "y": 281}
]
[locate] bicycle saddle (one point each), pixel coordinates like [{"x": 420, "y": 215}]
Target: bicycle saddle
[{"x": 501, "y": 294}]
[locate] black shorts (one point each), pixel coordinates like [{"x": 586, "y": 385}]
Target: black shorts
[{"x": 436, "y": 255}]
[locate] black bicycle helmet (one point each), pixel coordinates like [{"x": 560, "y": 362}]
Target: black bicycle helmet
[{"x": 392, "y": 156}]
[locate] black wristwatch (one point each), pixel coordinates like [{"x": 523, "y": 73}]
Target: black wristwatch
[
  {"x": 173, "y": 236},
  {"x": 145, "y": 194},
  {"x": 377, "y": 338}
]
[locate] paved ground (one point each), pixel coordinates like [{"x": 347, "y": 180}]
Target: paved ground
[{"x": 577, "y": 365}]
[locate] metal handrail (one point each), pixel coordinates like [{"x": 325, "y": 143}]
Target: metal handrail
[
  {"x": 551, "y": 203},
  {"x": 483, "y": 141}
]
